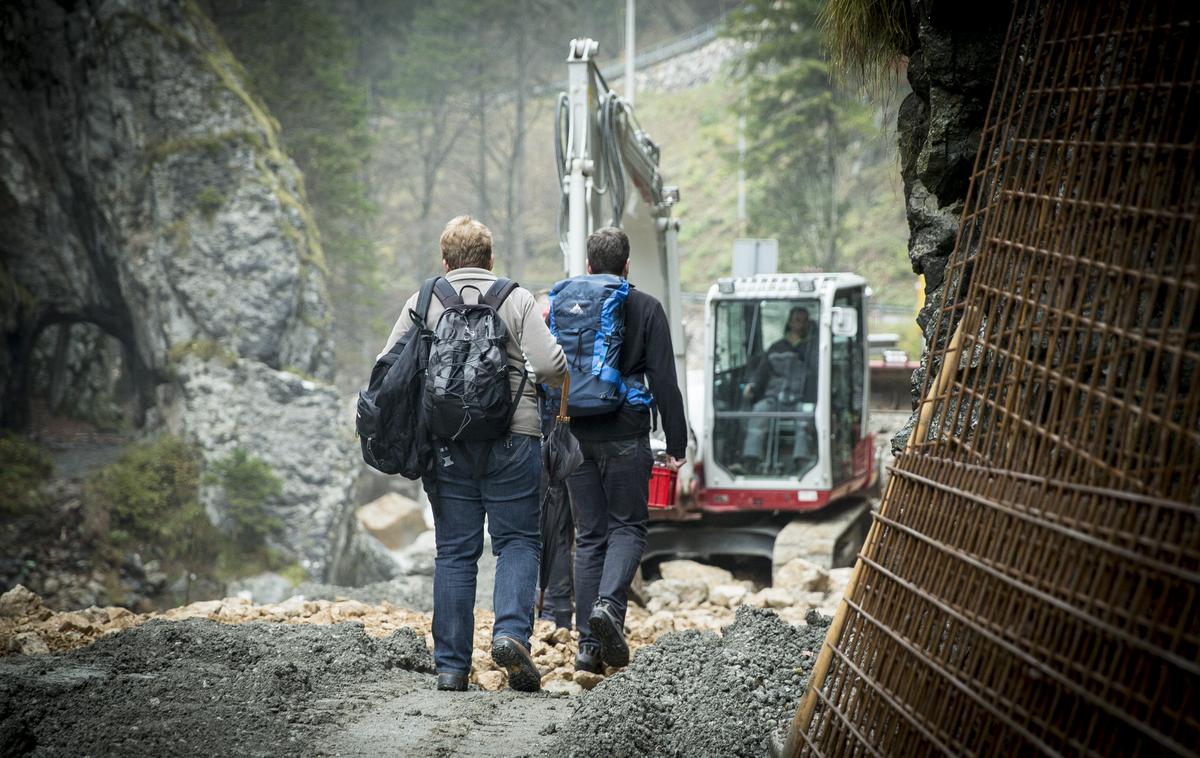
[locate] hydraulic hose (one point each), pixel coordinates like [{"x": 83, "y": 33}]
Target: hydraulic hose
[{"x": 561, "y": 115}]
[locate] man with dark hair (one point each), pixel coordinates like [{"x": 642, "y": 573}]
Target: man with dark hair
[
  {"x": 608, "y": 252},
  {"x": 609, "y": 490}
]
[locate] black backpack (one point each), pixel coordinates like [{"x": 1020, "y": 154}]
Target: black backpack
[
  {"x": 390, "y": 423},
  {"x": 467, "y": 394}
]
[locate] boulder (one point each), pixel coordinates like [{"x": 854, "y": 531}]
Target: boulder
[
  {"x": 562, "y": 687},
  {"x": 587, "y": 679},
  {"x": 711, "y": 576},
  {"x": 772, "y": 597},
  {"x": 19, "y": 603},
  {"x": 561, "y": 636},
  {"x": 490, "y": 680},
  {"x": 265, "y": 588},
  {"x": 674, "y": 591},
  {"x": 811, "y": 599},
  {"x": 838, "y": 579},
  {"x": 417, "y": 558},
  {"x": 73, "y": 622},
  {"x": 30, "y": 643},
  {"x": 727, "y": 595},
  {"x": 800, "y": 575},
  {"x": 393, "y": 519},
  {"x": 658, "y": 623}
]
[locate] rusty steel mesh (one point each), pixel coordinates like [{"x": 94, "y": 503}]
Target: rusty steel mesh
[{"x": 1031, "y": 582}]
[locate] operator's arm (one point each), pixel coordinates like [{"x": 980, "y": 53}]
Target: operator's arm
[
  {"x": 759, "y": 376},
  {"x": 664, "y": 384},
  {"x": 541, "y": 350}
]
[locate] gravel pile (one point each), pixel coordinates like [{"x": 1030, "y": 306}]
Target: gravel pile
[
  {"x": 699, "y": 693},
  {"x": 197, "y": 687}
]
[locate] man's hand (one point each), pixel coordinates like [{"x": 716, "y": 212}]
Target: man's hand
[
  {"x": 674, "y": 463},
  {"x": 748, "y": 390}
]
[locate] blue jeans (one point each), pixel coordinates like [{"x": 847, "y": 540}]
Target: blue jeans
[
  {"x": 608, "y": 499},
  {"x": 507, "y": 492}
]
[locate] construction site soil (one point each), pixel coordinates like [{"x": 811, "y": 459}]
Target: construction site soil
[
  {"x": 698, "y": 693},
  {"x": 346, "y": 678}
]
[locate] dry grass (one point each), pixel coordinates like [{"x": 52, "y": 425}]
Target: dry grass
[{"x": 867, "y": 40}]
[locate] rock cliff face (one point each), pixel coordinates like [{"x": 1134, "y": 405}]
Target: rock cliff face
[
  {"x": 952, "y": 70},
  {"x": 154, "y": 228}
]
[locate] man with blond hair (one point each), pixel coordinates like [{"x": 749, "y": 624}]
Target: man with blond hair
[{"x": 496, "y": 478}]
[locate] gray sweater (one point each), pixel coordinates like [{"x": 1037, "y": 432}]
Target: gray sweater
[{"x": 529, "y": 341}]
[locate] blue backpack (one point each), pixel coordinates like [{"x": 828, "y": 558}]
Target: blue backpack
[{"x": 587, "y": 317}]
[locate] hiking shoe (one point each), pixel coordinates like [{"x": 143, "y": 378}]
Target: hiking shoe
[
  {"x": 588, "y": 659},
  {"x": 512, "y": 656},
  {"x": 453, "y": 681},
  {"x": 607, "y": 628}
]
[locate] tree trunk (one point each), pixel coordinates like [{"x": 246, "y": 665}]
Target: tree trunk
[
  {"x": 831, "y": 209},
  {"x": 515, "y": 224},
  {"x": 484, "y": 206}
]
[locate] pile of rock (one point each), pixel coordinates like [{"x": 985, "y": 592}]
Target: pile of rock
[
  {"x": 689, "y": 596},
  {"x": 27, "y": 626},
  {"x": 693, "y": 595},
  {"x": 700, "y": 693}
]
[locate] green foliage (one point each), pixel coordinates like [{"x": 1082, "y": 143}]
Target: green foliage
[
  {"x": 211, "y": 145},
  {"x": 822, "y": 173},
  {"x": 209, "y": 201},
  {"x": 24, "y": 468},
  {"x": 294, "y": 573},
  {"x": 866, "y": 39},
  {"x": 247, "y": 485},
  {"x": 205, "y": 350},
  {"x": 697, "y": 128},
  {"x": 149, "y": 498}
]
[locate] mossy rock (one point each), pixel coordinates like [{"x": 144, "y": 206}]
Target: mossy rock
[
  {"x": 205, "y": 350},
  {"x": 24, "y": 468},
  {"x": 247, "y": 487},
  {"x": 209, "y": 201},
  {"x": 149, "y": 500}
]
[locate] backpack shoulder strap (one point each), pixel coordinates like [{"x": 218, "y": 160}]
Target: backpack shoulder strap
[
  {"x": 499, "y": 292},
  {"x": 446, "y": 293},
  {"x": 424, "y": 296}
]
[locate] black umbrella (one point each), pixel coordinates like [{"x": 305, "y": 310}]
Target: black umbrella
[{"x": 560, "y": 456}]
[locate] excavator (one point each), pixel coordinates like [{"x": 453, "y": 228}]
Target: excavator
[{"x": 778, "y": 470}]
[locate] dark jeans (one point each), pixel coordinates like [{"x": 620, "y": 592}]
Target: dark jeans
[
  {"x": 608, "y": 499},
  {"x": 507, "y": 493}
]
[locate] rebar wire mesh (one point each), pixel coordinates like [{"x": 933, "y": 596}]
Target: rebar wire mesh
[{"x": 1031, "y": 581}]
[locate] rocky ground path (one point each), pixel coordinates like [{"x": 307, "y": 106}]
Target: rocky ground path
[
  {"x": 348, "y": 676},
  {"x": 411, "y": 720}
]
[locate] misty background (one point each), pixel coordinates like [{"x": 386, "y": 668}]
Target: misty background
[{"x": 402, "y": 115}]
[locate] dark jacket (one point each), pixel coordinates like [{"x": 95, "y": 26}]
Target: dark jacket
[
  {"x": 786, "y": 372},
  {"x": 648, "y": 356}
]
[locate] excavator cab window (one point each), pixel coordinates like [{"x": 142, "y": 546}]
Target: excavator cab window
[{"x": 765, "y": 386}]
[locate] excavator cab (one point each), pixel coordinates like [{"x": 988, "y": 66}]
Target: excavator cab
[
  {"x": 764, "y": 386},
  {"x": 785, "y": 425}
]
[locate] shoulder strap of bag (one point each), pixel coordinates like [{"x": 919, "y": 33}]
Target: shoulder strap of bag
[
  {"x": 421, "y": 312},
  {"x": 498, "y": 292},
  {"x": 446, "y": 293}
]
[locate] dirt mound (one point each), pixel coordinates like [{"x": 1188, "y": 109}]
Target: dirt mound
[
  {"x": 198, "y": 687},
  {"x": 698, "y": 693}
]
